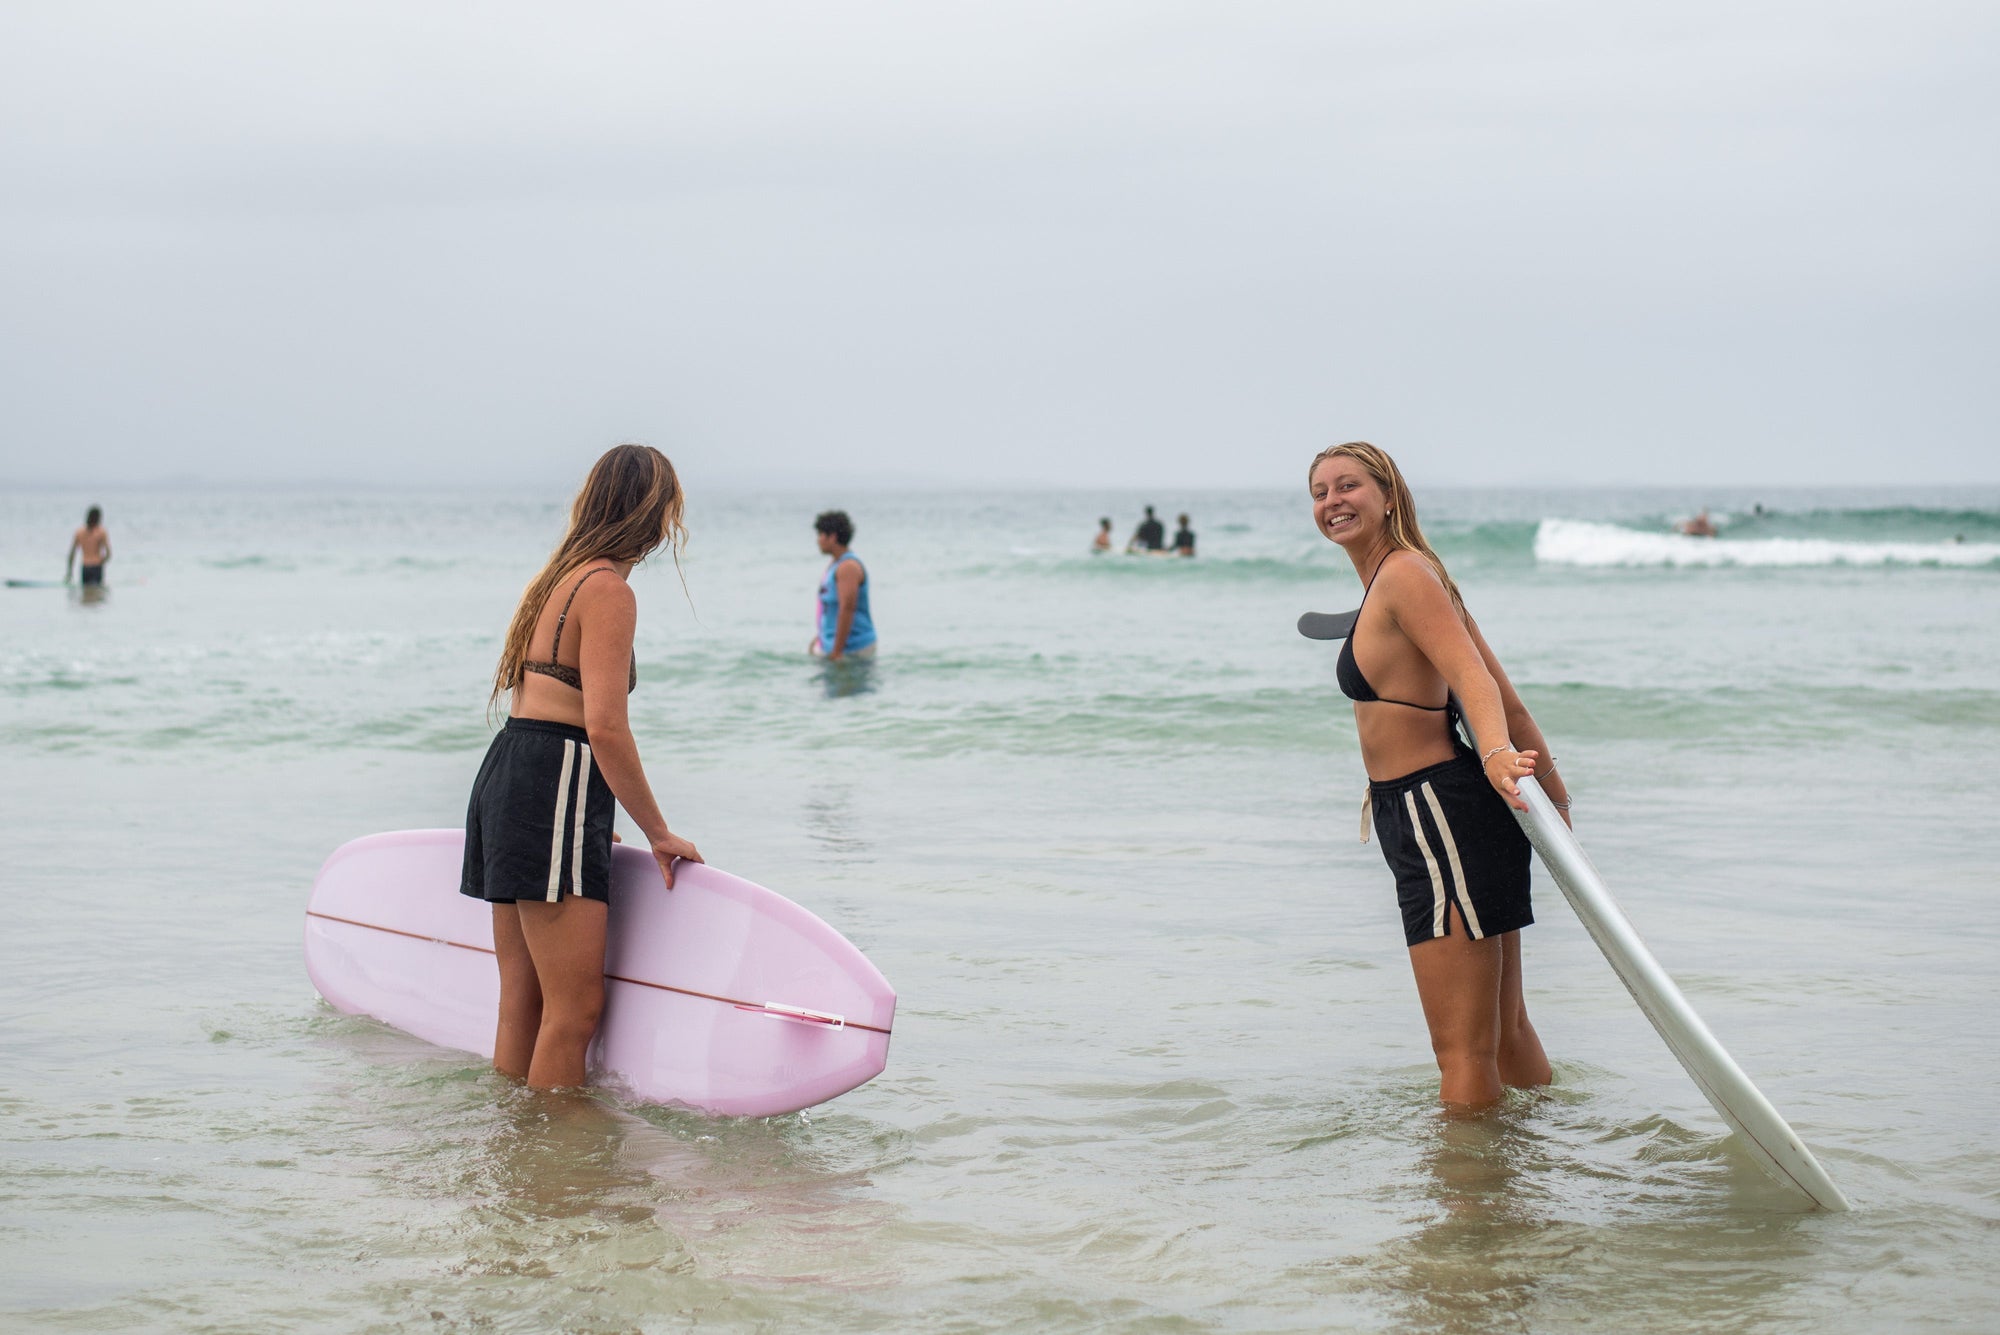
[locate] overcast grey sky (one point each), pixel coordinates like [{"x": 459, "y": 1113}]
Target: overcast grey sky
[{"x": 1010, "y": 243}]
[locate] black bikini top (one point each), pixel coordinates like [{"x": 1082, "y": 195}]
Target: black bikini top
[
  {"x": 1347, "y": 672},
  {"x": 570, "y": 676}
]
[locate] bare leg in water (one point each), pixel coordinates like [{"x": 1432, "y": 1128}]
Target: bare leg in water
[
  {"x": 520, "y": 996},
  {"x": 551, "y": 988},
  {"x": 1478, "y": 1018}
]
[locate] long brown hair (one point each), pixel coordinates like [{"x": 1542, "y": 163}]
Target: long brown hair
[
  {"x": 1404, "y": 533},
  {"x": 629, "y": 507}
]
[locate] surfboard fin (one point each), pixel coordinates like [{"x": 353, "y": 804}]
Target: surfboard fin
[
  {"x": 1327, "y": 625},
  {"x": 796, "y": 1014}
]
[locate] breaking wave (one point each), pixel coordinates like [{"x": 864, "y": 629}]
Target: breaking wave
[{"x": 1580, "y": 542}]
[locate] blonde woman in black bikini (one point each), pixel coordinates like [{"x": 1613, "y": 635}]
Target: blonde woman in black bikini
[
  {"x": 538, "y": 831},
  {"x": 1438, "y": 810}
]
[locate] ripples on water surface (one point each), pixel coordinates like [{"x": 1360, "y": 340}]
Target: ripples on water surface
[{"x": 1159, "y": 1065}]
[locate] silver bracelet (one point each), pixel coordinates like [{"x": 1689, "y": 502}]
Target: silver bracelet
[
  {"x": 1494, "y": 752},
  {"x": 1561, "y": 806}
]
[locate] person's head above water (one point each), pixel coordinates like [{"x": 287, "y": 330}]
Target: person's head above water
[
  {"x": 94, "y": 518},
  {"x": 836, "y": 525},
  {"x": 630, "y": 506},
  {"x": 1184, "y": 521},
  {"x": 1361, "y": 501},
  {"x": 1105, "y": 523},
  {"x": 1149, "y": 512}
]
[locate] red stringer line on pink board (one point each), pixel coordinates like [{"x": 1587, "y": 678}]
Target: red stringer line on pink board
[{"x": 613, "y": 977}]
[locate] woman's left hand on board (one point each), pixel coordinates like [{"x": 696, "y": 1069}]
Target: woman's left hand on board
[
  {"x": 1504, "y": 769},
  {"x": 666, "y": 849}
]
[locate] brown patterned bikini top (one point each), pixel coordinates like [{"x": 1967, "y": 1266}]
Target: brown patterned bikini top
[{"x": 569, "y": 676}]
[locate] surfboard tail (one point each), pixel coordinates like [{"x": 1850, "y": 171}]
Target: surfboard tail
[{"x": 1740, "y": 1104}]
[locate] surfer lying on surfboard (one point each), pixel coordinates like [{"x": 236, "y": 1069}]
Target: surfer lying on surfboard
[
  {"x": 1439, "y": 811},
  {"x": 538, "y": 830}
]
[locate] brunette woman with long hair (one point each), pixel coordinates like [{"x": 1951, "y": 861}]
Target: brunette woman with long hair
[
  {"x": 1439, "y": 810},
  {"x": 538, "y": 832}
]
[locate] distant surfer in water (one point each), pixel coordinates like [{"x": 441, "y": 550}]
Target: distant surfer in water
[
  {"x": 1701, "y": 526},
  {"x": 1439, "y": 810},
  {"x": 1150, "y": 536},
  {"x": 1102, "y": 542},
  {"x": 538, "y": 830},
  {"x": 93, "y": 544},
  {"x": 846, "y": 627},
  {"x": 1184, "y": 539}
]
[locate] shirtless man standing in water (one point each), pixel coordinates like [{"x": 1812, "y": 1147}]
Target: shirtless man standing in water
[{"x": 94, "y": 544}]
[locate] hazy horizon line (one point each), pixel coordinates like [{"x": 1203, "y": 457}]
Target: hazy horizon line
[{"x": 924, "y": 485}]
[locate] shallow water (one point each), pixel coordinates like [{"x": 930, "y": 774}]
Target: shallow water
[{"x": 1158, "y": 1064}]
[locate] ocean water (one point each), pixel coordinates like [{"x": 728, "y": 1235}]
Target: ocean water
[{"x": 1158, "y": 1063}]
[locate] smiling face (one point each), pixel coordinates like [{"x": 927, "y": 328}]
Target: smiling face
[{"x": 1348, "y": 503}]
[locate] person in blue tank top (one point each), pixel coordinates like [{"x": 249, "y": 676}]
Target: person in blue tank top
[{"x": 846, "y": 630}]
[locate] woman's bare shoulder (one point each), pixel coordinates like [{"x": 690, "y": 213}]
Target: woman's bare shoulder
[
  {"x": 1413, "y": 592},
  {"x": 1408, "y": 571},
  {"x": 599, "y": 593}
]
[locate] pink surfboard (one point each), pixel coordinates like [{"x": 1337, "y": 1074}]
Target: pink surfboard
[{"x": 720, "y": 995}]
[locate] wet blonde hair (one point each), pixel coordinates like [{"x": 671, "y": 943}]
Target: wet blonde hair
[
  {"x": 1404, "y": 533},
  {"x": 630, "y": 506}
]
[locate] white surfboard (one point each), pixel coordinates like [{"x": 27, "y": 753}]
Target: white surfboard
[{"x": 1770, "y": 1140}]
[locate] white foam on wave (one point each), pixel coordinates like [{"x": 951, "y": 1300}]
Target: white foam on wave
[{"x": 1579, "y": 542}]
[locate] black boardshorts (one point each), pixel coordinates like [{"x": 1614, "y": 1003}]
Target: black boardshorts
[
  {"x": 1454, "y": 847},
  {"x": 539, "y": 825}
]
